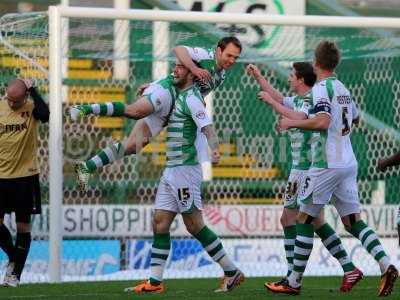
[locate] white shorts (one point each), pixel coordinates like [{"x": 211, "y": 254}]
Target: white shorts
[
  {"x": 294, "y": 188},
  {"x": 179, "y": 189},
  {"x": 341, "y": 183},
  {"x": 155, "y": 124},
  {"x": 161, "y": 99}
]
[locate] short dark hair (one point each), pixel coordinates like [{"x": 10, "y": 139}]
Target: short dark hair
[
  {"x": 327, "y": 55},
  {"x": 305, "y": 70},
  {"x": 222, "y": 43}
]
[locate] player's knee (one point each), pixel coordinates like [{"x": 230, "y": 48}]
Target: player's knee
[
  {"x": 283, "y": 221},
  {"x": 193, "y": 226},
  {"x": 160, "y": 225},
  {"x": 130, "y": 148},
  {"x": 350, "y": 220},
  {"x": 304, "y": 218},
  {"x": 319, "y": 221}
]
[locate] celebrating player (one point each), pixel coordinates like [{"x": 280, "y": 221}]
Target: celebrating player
[
  {"x": 333, "y": 172},
  {"x": 179, "y": 190},
  {"x": 301, "y": 80},
  {"x": 155, "y": 105}
]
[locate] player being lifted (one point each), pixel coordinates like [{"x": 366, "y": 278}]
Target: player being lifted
[
  {"x": 179, "y": 190},
  {"x": 333, "y": 173},
  {"x": 153, "y": 108},
  {"x": 301, "y": 80}
]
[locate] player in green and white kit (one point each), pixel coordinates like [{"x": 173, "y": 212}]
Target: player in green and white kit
[
  {"x": 179, "y": 190},
  {"x": 301, "y": 80},
  {"x": 153, "y": 107},
  {"x": 333, "y": 173}
]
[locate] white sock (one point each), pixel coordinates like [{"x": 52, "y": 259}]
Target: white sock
[
  {"x": 227, "y": 264},
  {"x": 295, "y": 279},
  {"x": 384, "y": 264},
  {"x": 157, "y": 272}
]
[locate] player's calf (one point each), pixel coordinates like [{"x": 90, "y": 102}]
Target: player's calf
[{"x": 110, "y": 109}]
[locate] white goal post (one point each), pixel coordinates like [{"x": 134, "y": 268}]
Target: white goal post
[{"x": 56, "y": 13}]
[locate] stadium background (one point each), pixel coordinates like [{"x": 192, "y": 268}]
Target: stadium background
[{"x": 108, "y": 229}]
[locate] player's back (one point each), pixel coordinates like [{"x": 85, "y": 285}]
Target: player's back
[
  {"x": 182, "y": 129},
  {"x": 334, "y": 99}
]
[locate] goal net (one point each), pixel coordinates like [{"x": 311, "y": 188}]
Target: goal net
[{"x": 106, "y": 233}]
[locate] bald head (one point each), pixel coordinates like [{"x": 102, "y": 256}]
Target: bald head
[{"x": 16, "y": 93}]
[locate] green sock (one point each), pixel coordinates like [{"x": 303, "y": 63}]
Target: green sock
[
  {"x": 290, "y": 237},
  {"x": 302, "y": 250},
  {"x": 371, "y": 243},
  {"x": 159, "y": 255},
  {"x": 106, "y": 156},
  {"x": 335, "y": 247},
  {"x": 112, "y": 109},
  {"x": 212, "y": 244}
]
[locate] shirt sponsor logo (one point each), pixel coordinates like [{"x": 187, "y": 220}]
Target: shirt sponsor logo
[
  {"x": 12, "y": 127},
  {"x": 200, "y": 115}
]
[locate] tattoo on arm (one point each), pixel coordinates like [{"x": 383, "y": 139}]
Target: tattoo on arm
[{"x": 211, "y": 135}]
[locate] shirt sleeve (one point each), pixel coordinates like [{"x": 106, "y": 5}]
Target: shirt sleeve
[
  {"x": 288, "y": 102},
  {"x": 322, "y": 104},
  {"x": 305, "y": 106},
  {"x": 198, "y": 54},
  {"x": 41, "y": 111},
  {"x": 198, "y": 112}
]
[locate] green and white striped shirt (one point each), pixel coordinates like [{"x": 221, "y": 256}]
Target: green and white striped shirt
[
  {"x": 300, "y": 139},
  {"x": 189, "y": 115}
]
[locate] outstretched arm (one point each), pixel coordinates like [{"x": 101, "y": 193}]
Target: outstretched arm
[
  {"x": 320, "y": 122},
  {"x": 280, "y": 108},
  {"x": 253, "y": 71}
]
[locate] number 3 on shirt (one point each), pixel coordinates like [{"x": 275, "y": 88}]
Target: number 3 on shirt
[{"x": 346, "y": 127}]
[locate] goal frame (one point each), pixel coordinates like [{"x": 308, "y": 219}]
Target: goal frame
[{"x": 56, "y": 13}]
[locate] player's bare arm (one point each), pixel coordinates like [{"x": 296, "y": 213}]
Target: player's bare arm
[
  {"x": 393, "y": 160},
  {"x": 280, "y": 108},
  {"x": 141, "y": 108},
  {"x": 141, "y": 89},
  {"x": 212, "y": 140},
  {"x": 253, "y": 71},
  {"x": 319, "y": 122},
  {"x": 183, "y": 55}
]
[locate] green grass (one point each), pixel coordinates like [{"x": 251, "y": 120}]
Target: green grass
[{"x": 322, "y": 288}]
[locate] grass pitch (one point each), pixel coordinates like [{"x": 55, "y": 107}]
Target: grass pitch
[{"x": 322, "y": 288}]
